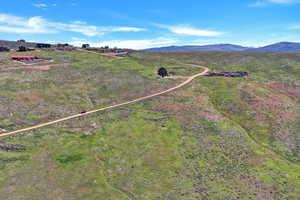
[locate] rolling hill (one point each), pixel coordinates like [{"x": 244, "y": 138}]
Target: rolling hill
[
  {"x": 216, "y": 138},
  {"x": 214, "y": 47},
  {"x": 278, "y": 47}
]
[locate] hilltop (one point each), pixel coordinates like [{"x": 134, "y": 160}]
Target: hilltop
[{"x": 280, "y": 47}]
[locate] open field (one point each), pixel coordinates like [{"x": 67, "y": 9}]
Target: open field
[{"x": 217, "y": 138}]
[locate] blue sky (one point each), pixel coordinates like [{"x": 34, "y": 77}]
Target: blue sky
[{"x": 143, "y": 24}]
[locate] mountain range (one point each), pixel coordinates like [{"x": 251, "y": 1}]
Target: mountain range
[{"x": 277, "y": 47}]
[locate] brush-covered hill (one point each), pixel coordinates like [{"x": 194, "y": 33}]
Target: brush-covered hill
[
  {"x": 216, "y": 138},
  {"x": 215, "y": 47},
  {"x": 278, "y": 47}
]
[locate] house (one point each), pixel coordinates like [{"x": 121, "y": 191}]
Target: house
[
  {"x": 118, "y": 51},
  {"x": 42, "y": 45},
  {"x": 63, "y": 45},
  {"x": 2, "y": 49},
  {"x": 85, "y": 46},
  {"x": 22, "y": 48}
]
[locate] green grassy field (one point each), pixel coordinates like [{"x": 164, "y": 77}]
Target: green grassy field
[{"x": 217, "y": 138}]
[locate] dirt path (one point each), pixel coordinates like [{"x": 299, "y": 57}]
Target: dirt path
[
  {"x": 187, "y": 81},
  {"x": 112, "y": 55}
]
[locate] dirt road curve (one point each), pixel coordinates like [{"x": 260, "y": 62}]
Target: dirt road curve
[{"x": 188, "y": 80}]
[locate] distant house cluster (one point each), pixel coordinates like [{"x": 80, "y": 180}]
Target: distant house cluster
[
  {"x": 228, "y": 74},
  {"x": 106, "y": 49},
  {"x": 85, "y": 46},
  {"x": 21, "y": 41},
  {"x": 63, "y": 45},
  {"x": 24, "y": 48},
  {"x": 43, "y": 45},
  {"x": 22, "y": 45},
  {"x": 4, "y": 49}
]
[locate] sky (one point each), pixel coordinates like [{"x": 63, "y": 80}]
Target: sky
[{"x": 140, "y": 24}]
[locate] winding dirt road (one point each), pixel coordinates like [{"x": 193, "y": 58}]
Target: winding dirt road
[{"x": 187, "y": 81}]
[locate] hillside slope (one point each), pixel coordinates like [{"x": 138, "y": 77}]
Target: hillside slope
[{"x": 217, "y": 138}]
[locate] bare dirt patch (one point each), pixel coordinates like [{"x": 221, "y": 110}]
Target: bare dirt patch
[
  {"x": 45, "y": 67},
  {"x": 31, "y": 62}
]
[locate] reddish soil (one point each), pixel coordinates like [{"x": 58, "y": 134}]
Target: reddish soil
[
  {"x": 263, "y": 191},
  {"x": 288, "y": 91},
  {"x": 34, "y": 62},
  {"x": 274, "y": 104}
]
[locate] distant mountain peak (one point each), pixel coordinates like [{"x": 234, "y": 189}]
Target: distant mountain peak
[{"x": 280, "y": 47}]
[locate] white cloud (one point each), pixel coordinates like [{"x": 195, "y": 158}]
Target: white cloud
[
  {"x": 190, "y": 31},
  {"x": 283, "y": 1},
  {"x": 15, "y": 24},
  {"x": 40, "y": 5},
  {"x": 295, "y": 27},
  {"x": 78, "y": 22},
  {"x": 125, "y": 29},
  {"x": 262, "y": 3},
  {"x": 132, "y": 44},
  {"x": 186, "y": 30},
  {"x": 258, "y": 4}
]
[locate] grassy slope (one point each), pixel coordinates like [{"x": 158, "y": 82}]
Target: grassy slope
[{"x": 193, "y": 143}]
